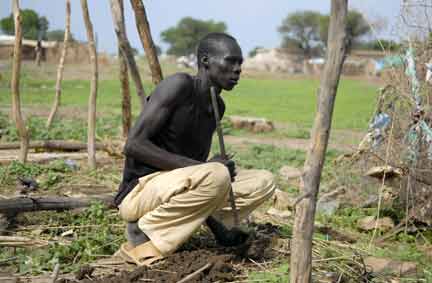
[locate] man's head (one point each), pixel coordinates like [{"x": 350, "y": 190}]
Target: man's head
[{"x": 220, "y": 56}]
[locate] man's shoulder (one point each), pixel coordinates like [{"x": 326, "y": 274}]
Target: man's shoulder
[
  {"x": 180, "y": 80},
  {"x": 174, "y": 87}
]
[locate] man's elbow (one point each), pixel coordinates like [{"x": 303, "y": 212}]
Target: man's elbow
[{"x": 128, "y": 148}]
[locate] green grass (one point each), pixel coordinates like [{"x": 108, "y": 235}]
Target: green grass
[
  {"x": 290, "y": 101},
  {"x": 294, "y": 101},
  {"x": 279, "y": 274}
]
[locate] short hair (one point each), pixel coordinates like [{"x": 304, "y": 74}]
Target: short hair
[{"x": 209, "y": 43}]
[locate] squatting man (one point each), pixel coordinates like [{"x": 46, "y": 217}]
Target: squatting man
[{"x": 170, "y": 187}]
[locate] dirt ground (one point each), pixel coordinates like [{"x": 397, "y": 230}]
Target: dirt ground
[{"x": 218, "y": 264}]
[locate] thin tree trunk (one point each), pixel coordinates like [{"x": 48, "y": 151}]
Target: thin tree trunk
[
  {"x": 120, "y": 30},
  {"x": 146, "y": 40},
  {"x": 91, "y": 128},
  {"x": 56, "y": 103},
  {"x": 301, "y": 250},
  {"x": 126, "y": 103},
  {"x": 15, "y": 83},
  {"x": 38, "y": 51}
]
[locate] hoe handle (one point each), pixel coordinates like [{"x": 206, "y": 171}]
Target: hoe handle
[{"x": 223, "y": 152}]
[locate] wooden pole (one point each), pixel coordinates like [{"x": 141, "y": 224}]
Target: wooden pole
[
  {"x": 219, "y": 131},
  {"x": 301, "y": 249},
  {"x": 60, "y": 68},
  {"x": 146, "y": 40},
  {"x": 15, "y": 83},
  {"x": 125, "y": 92},
  {"x": 117, "y": 12},
  {"x": 91, "y": 129}
]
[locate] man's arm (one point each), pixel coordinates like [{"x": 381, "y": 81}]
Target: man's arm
[{"x": 156, "y": 112}]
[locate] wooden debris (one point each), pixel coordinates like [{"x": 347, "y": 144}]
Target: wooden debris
[
  {"x": 256, "y": 125},
  {"x": 51, "y": 145},
  {"x": 289, "y": 173},
  {"x": 282, "y": 200},
  {"x": 47, "y": 157},
  {"x": 26, "y": 204},
  {"x": 379, "y": 265},
  {"x": 381, "y": 171},
  {"x": 369, "y": 223},
  {"x": 282, "y": 214},
  {"x": 15, "y": 241}
]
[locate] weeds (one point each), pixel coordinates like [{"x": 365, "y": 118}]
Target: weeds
[
  {"x": 49, "y": 174},
  {"x": 82, "y": 246},
  {"x": 76, "y": 129}
]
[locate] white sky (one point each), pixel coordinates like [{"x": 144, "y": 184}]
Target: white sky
[{"x": 252, "y": 22}]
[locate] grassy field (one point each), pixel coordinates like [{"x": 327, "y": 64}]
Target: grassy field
[
  {"x": 288, "y": 100},
  {"x": 291, "y": 100}
]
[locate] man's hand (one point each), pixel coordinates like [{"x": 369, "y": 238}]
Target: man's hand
[
  {"x": 228, "y": 162},
  {"x": 226, "y": 237}
]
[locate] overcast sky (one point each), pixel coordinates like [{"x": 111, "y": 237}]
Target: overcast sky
[{"x": 252, "y": 22}]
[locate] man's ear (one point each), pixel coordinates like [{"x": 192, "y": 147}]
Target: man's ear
[{"x": 205, "y": 61}]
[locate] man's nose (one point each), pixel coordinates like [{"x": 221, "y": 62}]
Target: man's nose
[{"x": 237, "y": 68}]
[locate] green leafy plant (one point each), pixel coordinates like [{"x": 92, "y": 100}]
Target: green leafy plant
[{"x": 97, "y": 237}]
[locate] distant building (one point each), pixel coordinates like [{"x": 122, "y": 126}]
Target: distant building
[{"x": 50, "y": 50}]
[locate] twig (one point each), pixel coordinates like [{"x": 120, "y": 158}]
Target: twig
[
  {"x": 8, "y": 259},
  {"x": 192, "y": 275},
  {"x": 67, "y": 227},
  {"x": 13, "y": 241},
  {"x": 55, "y": 272},
  {"x": 331, "y": 258}
]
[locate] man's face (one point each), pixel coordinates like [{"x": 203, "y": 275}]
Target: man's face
[{"x": 225, "y": 65}]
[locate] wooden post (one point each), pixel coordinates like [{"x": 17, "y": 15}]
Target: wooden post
[
  {"x": 60, "y": 68},
  {"x": 91, "y": 128},
  {"x": 38, "y": 51},
  {"x": 301, "y": 249},
  {"x": 15, "y": 83},
  {"x": 146, "y": 40},
  {"x": 126, "y": 103},
  {"x": 120, "y": 30}
]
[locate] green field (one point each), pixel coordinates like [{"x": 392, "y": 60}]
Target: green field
[{"x": 290, "y": 101}]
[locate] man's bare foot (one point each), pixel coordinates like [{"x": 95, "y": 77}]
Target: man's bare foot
[
  {"x": 135, "y": 235},
  {"x": 224, "y": 236}
]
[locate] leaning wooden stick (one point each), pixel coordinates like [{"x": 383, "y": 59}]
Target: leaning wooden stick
[{"x": 223, "y": 152}]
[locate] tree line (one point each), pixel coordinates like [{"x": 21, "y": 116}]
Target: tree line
[{"x": 302, "y": 31}]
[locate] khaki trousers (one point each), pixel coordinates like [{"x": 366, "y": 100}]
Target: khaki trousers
[{"x": 171, "y": 205}]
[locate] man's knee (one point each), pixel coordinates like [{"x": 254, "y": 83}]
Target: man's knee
[{"x": 219, "y": 176}]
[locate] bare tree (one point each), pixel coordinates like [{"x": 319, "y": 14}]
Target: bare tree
[
  {"x": 125, "y": 47},
  {"x": 125, "y": 91},
  {"x": 60, "y": 68},
  {"x": 15, "y": 83},
  {"x": 301, "y": 250},
  {"x": 91, "y": 128},
  {"x": 146, "y": 40}
]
